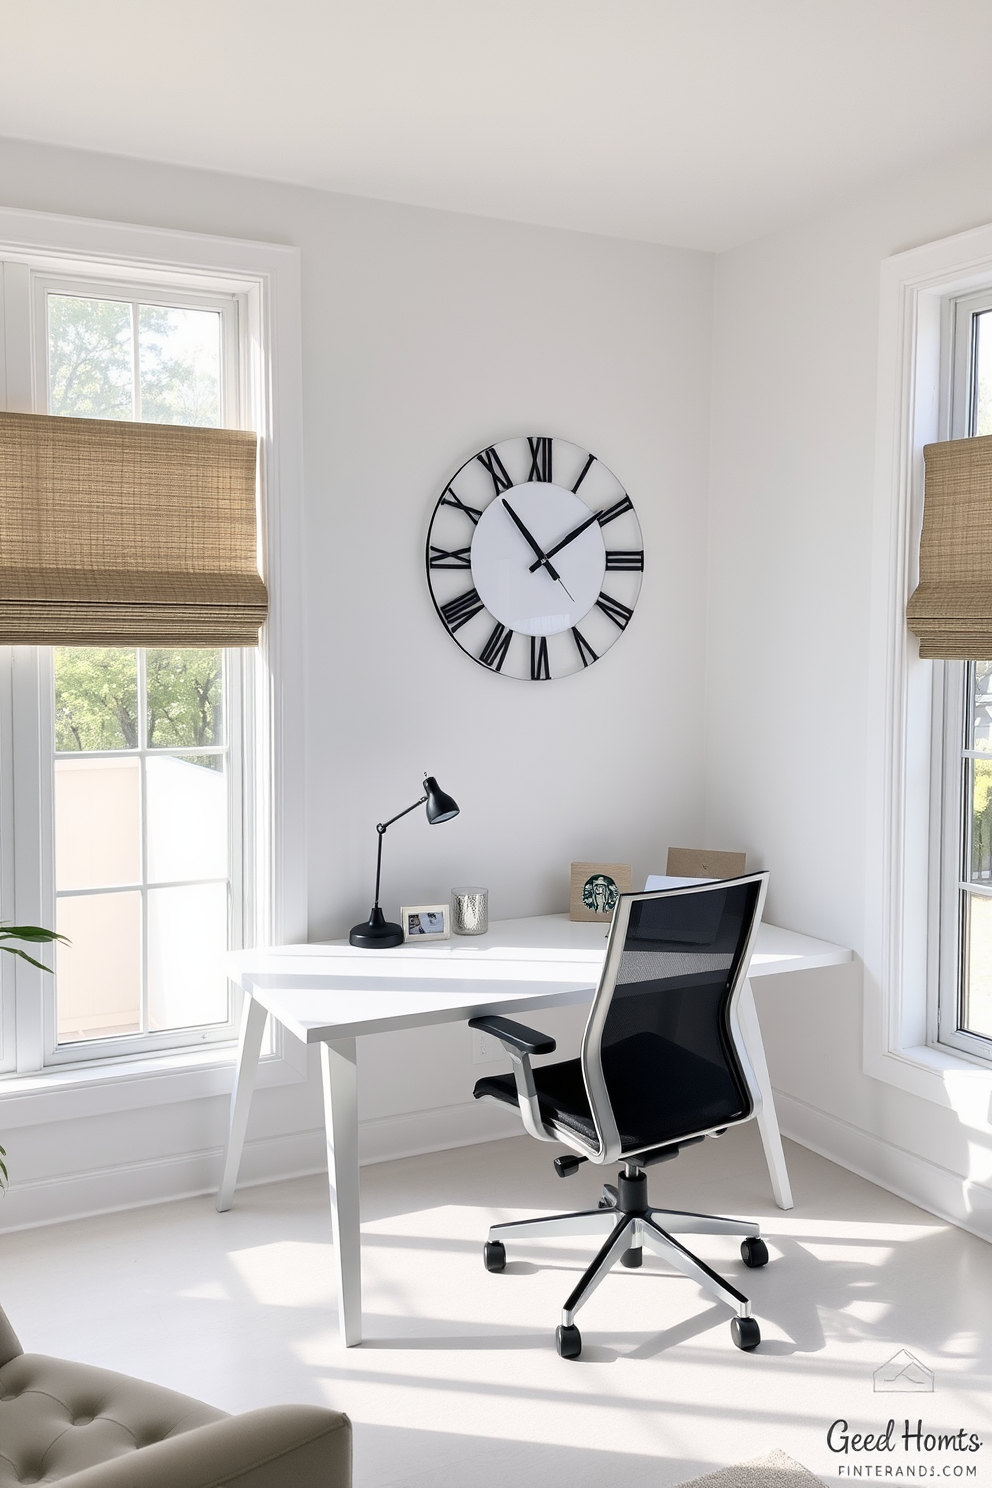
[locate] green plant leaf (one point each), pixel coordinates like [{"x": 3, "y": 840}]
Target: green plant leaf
[
  {"x": 30, "y": 933},
  {"x": 13, "y": 951}
]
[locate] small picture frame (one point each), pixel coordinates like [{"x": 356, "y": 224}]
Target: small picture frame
[
  {"x": 595, "y": 889},
  {"x": 425, "y": 922}
]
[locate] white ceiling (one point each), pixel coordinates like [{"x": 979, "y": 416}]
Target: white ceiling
[{"x": 700, "y": 123}]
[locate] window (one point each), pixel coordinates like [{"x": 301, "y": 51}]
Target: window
[
  {"x": 913, "y": 866},
  {"x": 962, "y": 840},
  {"x": 125, "y": 772}
]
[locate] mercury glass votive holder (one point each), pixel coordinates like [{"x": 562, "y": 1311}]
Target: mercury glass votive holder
[{"x": 470, "y": 911}]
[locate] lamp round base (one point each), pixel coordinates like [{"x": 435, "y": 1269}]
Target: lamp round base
[{"x": 376, "y": 933}]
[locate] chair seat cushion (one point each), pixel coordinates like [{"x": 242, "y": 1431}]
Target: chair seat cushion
[
  {"x": 57, "y": 1418},
  {"x": 659, "y": 1092}
]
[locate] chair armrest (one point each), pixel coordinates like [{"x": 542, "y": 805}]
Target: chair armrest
[
  {"x": 520, "y": 1043},
  {"x": 305, "y": 1445},
  {"x": 514, "y": 1035}
]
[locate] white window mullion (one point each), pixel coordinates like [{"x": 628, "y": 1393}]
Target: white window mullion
[
  {"x": 34, "y": 848},
  {"x": 136, "y": 359},
  {"x": 142, "y": 715},
  {"x": 952, "y": 852},
  {"x": 8, "y": 964},
  {"x": 17, "y": 350},
  {"x": 22, "y": 882}
]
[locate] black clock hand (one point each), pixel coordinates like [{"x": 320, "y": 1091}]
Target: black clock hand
[
  {"x": 542, "y": 559},
  {"x": 566, "y": 540}
]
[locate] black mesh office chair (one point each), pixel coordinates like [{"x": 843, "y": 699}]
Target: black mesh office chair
[{"x": 663, "y": 1065}]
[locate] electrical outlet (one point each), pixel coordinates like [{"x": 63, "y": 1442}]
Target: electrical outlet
[{"x": 486, "y": 1049}]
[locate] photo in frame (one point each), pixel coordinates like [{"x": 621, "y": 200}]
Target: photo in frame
[
  {"x": 425, "y": 922},
  {"x": 596, "y": 888}
]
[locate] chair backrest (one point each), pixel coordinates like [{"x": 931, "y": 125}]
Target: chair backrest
[{"x": 662, "y": 1055}]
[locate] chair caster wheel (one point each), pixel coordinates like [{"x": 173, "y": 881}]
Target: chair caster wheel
[
  {"x": 610, "y": 1198},
  {"x": 568, "y": 1341},
  {"x": 632, "y": 1258},
  {"x": 754, "y": 1252},
  {"x": 745, "y": 1333},
  {"x": 494, "y": 1255}
]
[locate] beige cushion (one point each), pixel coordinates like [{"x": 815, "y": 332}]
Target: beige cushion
[
  {"x": 86, "y": 1427},
  {"x": 281, "y": 1446},
  {"x": 57, "y": 1418}
]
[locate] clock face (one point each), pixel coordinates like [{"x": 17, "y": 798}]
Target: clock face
[{"x": 534, "y": 558}]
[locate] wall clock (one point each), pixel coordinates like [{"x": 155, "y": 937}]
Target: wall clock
[{"x": 534, "y": 558}]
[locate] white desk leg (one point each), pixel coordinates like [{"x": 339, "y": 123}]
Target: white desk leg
[
  {"x": 339, "y": 1069},
  {"x": 250, "y": 1043},
  {"x": 771, "y": 1138}
]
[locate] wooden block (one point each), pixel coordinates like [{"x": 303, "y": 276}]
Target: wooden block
[
  {"x": 704, "y": 862},
  {"x": 597, "y": 884}
]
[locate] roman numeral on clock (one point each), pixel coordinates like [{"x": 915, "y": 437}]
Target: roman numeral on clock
[
  {"x": 616, "y": 510},
  {"x": 540, "y": 459},
  {"x": 497, "y": 470},
  {"x": 493, "y": 653},
  {"x": 622, "y": 560},
  {"x": 618, "y": 612},
  {"x": 585, "y": 471},
  {"x": 540, "y": 670},
  {"x": 441, "y": 558},
  {"x": 458, "y": 611},
  {"x": 585, "y": 650},
  {"x": 450, "y": 499}
]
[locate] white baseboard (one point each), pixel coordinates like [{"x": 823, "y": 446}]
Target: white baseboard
[
  {"x": 134, "y": 1185},
  {"x": 389, "y": 1137},
  {"x": 271, "y": 1159},
  {"x": 937, "y": 1189}
]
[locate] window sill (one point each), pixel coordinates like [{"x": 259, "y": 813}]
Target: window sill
[
  {"x": 70, "y": 1092},
  {"x": 939, "y": 1075}
]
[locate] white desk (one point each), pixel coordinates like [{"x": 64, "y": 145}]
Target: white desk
[{"x": 330, "y": 994}]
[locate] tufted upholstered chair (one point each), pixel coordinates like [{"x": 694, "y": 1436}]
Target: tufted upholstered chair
[{"x": 85, "y": 1427}]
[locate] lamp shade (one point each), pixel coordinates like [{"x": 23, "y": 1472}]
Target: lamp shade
[{"x": 440, "y": 807}]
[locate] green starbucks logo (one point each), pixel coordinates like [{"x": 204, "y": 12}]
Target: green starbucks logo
[{"x": 600, "y": 894}]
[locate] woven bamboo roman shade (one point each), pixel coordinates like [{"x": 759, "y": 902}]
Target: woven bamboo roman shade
[
  {"x": 123, "y": 534},
  {"x": 951, "y": 608}
]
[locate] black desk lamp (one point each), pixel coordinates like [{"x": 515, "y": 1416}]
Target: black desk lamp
[{"x": 376, "y": 933}]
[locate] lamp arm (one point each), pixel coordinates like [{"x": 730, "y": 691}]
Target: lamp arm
[
  {"x": 381, "y": 830},
  {"x": 381, "y": 826}
]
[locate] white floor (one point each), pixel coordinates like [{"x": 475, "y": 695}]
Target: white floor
[{"x": 459, "y": 1383}]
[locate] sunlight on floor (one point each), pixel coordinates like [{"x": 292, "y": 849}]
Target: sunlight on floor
[{"x": 458, "y": 1380}]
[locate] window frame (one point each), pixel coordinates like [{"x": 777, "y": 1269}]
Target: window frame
[
  {"x": 238, "y": 694},
  {"x": 906, "y": 731},
  {"x": 950, "y": 815},
  {"x": 266, "y": 278},
  {"x": 232, "y": 308},
  {"x": 240, "y": 833}
]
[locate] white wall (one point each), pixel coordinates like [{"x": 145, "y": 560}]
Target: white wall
[
  {"x": 793, "y": 455},
  {"x": 426, "y": 336}
]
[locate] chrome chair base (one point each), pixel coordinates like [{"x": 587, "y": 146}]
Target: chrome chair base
[{"x": 626, "y": 1230}]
